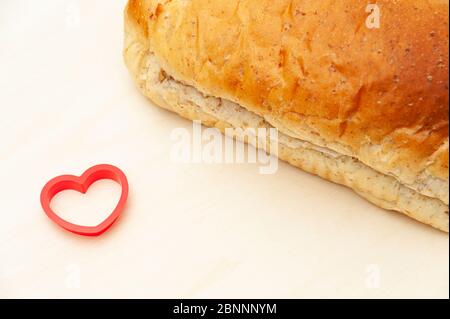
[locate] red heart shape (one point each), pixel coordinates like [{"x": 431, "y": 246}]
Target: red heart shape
[{"x": 82, "y": 184}]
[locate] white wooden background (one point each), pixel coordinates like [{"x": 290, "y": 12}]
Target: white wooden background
[{"x": 67, "y": 102}]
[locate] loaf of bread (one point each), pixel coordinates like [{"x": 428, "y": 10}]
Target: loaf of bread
[{"x": 360, "y": 105}]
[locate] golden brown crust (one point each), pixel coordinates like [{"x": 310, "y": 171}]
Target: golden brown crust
[
  {"x": 313, "y": 70},
  {"x": 380, "y": 95}
]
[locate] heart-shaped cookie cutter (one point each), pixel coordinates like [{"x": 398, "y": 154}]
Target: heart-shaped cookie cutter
[{"x": 81, "y": 184}]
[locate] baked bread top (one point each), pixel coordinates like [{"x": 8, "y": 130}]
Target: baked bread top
[{"x": 315, "y": 70}]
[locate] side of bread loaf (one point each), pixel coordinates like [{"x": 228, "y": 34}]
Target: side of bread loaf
[{"x": 360, "y": 101}]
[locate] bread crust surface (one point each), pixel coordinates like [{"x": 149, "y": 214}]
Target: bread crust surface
[{"x": 314, "y": 71}]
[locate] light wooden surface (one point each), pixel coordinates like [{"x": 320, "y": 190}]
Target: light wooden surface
[{"x": 67, "y": 102}]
